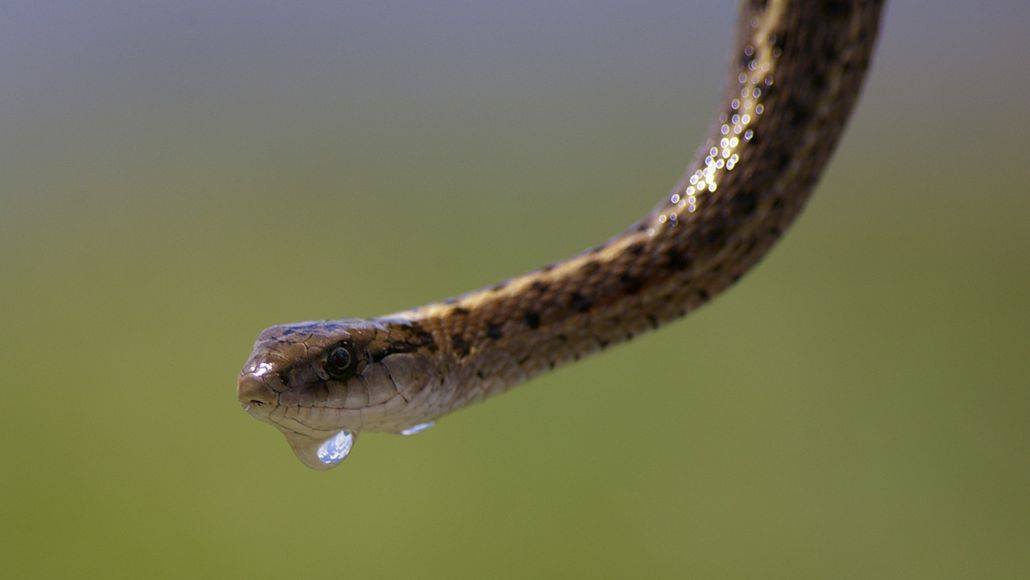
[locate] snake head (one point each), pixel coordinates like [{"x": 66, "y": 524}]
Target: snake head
[{"x": 321, "y": 383}]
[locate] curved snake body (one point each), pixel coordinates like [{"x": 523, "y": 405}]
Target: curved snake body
[{"x": 797, "y": 70}]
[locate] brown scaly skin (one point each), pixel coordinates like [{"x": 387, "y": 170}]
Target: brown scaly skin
[{"x": 797, "y": 70}]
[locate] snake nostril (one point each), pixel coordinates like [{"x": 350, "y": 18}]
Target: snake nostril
[{"x": 253, "y": 391}]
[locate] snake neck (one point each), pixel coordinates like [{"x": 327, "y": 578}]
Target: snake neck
[{"x": 797, "y": 70}]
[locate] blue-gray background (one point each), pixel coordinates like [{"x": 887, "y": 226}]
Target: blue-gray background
[{"x": 176, "y": 175}]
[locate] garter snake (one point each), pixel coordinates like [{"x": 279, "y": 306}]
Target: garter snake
[{"x": 797, "y": 69}]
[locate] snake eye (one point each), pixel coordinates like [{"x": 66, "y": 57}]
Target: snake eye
[{"x": 338, "y": 362}]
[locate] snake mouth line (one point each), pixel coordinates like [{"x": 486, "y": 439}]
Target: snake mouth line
[
  {"x": 383, "y": 416},
  {"x": 277, "y": 416},
  {"x": 308, "y": 431}
]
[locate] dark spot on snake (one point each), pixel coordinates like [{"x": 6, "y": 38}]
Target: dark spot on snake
[
  {"x": 562, "y": 338},
  {"x": 532, "y": 319},
  {"x": 540, "y": 287},
  {"x": 460, "y": 345},
  {"x": 604, "y": 343},
  {"x": 675, "y": 260},
  {"x": 715, "y": 235},
  {"x": 630, "y": 284},
  {"x": 799, "y": 112},
  {"x": 744, "y": 203},
  {"x": 703, "y": 294},
  {"x": 419, "y": 331},
  {"x": 419, "y": 338},
  {"x": 636, "y": 248},
  {"x": 777, "y": 203},
  {"x": 835, "y": 9},
  {"x": 654, "y": 321},
  {"x": 590, "y": 267},
  {"x": 479, "y": 373},
  {"x": 523, "y": 360},
  {"x": 550, "y": 364},
  {"x": 818, "y": 81},
  {"x": 460, "y": 311},
  {"x": 494, "y": 331},
  {"x": 779, "y": 41},
  {"x": 284, "y": 378},
  {"x": 499, "y": 286},
  {"x": 580, "y": 303},
  {"x": 422, "y": 337}
]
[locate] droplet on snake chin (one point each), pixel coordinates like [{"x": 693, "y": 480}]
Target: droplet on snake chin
[
  {"x": 417, "y": 428},
  {"x": 336, "y": 448}
]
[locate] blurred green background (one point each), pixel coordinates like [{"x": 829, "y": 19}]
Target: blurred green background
[{"x": 175, "y": 176}]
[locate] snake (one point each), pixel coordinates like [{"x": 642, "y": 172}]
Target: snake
[{"x": 797, "y": 69}]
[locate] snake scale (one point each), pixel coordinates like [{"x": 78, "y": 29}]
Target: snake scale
[{"x": 797, "y": 69}]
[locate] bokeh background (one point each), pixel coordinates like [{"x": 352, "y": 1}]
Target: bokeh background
[{"x": 177, "y": 175}]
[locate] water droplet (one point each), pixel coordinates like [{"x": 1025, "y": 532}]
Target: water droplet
[
  {"x": 336, "y": 448},
  {"x": 417, "y": 428}
]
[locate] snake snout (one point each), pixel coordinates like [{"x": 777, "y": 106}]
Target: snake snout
[{"x": 254, "y": 394}]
